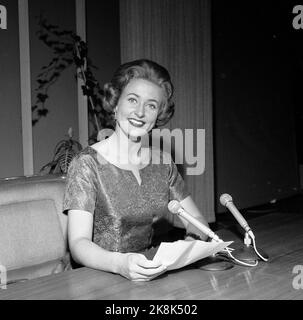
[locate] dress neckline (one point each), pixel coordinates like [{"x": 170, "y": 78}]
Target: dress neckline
[{"x": 134, "y": 170}]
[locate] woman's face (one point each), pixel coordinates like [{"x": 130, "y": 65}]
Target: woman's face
[{"x": 138, "y": 107}]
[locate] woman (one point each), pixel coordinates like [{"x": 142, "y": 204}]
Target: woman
[{"x": 115, "y": 190}]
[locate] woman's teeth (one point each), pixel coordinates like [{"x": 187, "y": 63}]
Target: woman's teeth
[{"x": 136, "y": 123}]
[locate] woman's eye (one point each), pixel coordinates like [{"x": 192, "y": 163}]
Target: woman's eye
[
  {"x": 152, "y": 106},
  {"x": 132, "y": 100}
]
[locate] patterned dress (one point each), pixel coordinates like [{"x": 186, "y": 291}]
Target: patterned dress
[{"x": 124, "y": 211}]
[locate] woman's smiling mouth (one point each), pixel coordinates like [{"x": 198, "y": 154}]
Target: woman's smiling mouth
[{"x": 136, "y": 123}]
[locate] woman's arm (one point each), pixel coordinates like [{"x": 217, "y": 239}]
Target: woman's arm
[
  {"x": 130, "y": 265},
  {"x": 83, "y": 250},
  {"x": 189, "y": 206}
]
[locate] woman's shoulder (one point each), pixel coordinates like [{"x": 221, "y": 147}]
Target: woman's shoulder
[
  {"x": 85, "y": 153},
  {"x": 86, "y": 156}
]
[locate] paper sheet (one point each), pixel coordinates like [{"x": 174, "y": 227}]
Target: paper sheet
[{"x": 181, "y": 253}]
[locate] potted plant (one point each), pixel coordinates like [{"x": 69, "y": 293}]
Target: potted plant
[{"x": 64, "y": 152}]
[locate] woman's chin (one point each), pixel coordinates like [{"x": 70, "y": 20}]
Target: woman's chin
[
  {"x": 135, "y": 137},
  {"x": 137, "y": 133}
]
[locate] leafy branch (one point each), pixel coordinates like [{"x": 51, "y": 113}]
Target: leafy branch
[{"x": 68, "y": 50}]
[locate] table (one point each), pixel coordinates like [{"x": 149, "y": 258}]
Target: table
[{"x": 279, "y": 235}]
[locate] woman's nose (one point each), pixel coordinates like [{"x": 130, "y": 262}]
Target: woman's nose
[{"x": 140, "y": 110}]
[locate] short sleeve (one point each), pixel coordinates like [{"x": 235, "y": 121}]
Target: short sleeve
[
  {"x": 177, "y": 188},
  {"x": 80, "y": 191}
]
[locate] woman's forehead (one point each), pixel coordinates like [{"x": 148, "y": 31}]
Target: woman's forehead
[{"x": 145, "y": 89}]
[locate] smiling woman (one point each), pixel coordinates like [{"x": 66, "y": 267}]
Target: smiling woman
[
  {"x": 138, "y": 107},
  {"x": 116, "y": 192}
]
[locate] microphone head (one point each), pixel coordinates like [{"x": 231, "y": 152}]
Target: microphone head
[
  {"x": 174, "y": 206},
  {"x": 225, "y": 198}
]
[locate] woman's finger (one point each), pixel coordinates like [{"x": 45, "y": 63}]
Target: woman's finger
[
  {"x": 145, "y": 263},
  {"x": 150, "y": 272}
]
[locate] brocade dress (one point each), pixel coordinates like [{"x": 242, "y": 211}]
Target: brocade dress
[{"x": 124, "y": 211}]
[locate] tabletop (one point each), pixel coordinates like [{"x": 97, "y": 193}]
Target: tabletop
[{"x": 279, "y": 235}]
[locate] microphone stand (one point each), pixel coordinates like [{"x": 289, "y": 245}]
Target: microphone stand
[
  {"x": 214, "y": 263},
  {"x": 247, "y": 253}
]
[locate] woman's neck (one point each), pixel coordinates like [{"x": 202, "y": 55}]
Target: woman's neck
[{"x": 123, "y": 149}]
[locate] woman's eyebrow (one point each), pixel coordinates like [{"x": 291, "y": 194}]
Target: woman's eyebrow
[
  {"x": 153, "y": 100},
  {"x": 134, "y": 94}
]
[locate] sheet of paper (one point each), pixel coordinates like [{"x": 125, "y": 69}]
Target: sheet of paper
[{"x": 180, "y": 253}]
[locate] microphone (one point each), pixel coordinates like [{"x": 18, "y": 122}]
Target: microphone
[
  {"x": 175, "y": 207},
  {"x": 248, "y": 253},
  {"x": 212, "y": 263},
  {"x": 227, "y": 201}
]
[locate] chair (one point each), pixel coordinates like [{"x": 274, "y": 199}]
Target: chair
[{"x": 33, "y": 229}]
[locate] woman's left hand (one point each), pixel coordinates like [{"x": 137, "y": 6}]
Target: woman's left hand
[{"x": 136, "y": 267}]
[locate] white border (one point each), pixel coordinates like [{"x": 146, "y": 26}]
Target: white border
[{"x": 25, "y": 84}]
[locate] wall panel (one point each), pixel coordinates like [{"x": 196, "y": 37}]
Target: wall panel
[
  {"x": 62, "y": 102},
  {"x": 103, "y": 39},
  {"x": 11, "y": 159}
]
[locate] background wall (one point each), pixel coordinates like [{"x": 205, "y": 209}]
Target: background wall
[
  {"x": 11, "y": 160},
  {"x": 103, "y": 37},
  {"x": 62, "y": 102},
  {"x": 255, "y": 146},
  {"x": 104, "y": 50}
]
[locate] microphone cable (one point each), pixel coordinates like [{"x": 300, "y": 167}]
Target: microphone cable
[
  {"x": 228, "y": 250},
  {"x": 250, "y": 236},
  {"x": 257, "y": 252}
]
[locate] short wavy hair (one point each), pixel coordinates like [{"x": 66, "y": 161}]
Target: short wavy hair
[{"x": 140, "y": 69}]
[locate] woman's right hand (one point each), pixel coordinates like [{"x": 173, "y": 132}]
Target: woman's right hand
[{"x": 136, "y": 267}]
